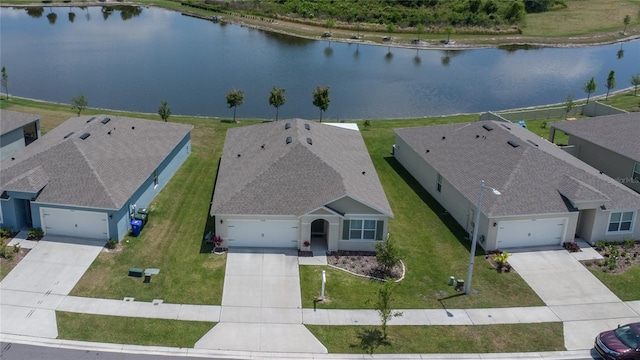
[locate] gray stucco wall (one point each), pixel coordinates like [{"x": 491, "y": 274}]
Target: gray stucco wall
[
  {"x": 11, "y": 142},
  {"x": 613, "y": 164}
]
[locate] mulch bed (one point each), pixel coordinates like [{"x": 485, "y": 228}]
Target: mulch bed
[
  {"x": 363, "y": 263},
  {"x": 11, "y": 263},
  {"x": 617, "y": 257}
]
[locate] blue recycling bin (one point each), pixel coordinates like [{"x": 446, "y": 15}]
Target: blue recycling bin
[{"x": 136, "y": 226}]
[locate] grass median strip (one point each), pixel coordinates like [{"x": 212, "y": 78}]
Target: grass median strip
[
  {"x": 442, "y": 339},
  {"x": 130, "y": 330}
]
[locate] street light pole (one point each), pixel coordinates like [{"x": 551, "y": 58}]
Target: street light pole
[{"x": 474, "y": 238}]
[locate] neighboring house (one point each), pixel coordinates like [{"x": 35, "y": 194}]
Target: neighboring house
[
  {"x": 610, "y": 144},
  {"x": 86, "y": 177},
  {"x": 547, "y": 196},
  {"x": 17, "y": 130},
  {"x": 283, "y": 183}
]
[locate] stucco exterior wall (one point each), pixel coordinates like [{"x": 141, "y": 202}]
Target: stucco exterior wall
[
  {"x": 601, "y": 224},
  {"x": 11, "y": 142},
  {"x": 613, "y": 164}
]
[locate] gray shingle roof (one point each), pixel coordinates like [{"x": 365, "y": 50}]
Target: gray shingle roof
[
  {"x": 102, "y": 171},
  {"x": 531, "y": 176},
  {"x": 619, "y": 133},
  {"x": 295, "y": 178},
  {"x": 11, "y": 120}
]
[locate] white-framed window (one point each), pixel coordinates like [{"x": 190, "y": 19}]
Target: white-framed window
[
  {"x": 636, "y": 172},
  {"x": 155, "y": 178},
  {"x": 439, "y": 183},
  {"x": 621, "y": 221},
  {"x": 361, "y": 229}
]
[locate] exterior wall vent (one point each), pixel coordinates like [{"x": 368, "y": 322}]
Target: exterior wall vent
[
  {"x": 84, "y": 136},
  {"x": 513, "y": 143}
]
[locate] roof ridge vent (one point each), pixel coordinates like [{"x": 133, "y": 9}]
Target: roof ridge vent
[
  {"x": 505, "y": 126},
  {"x": 513, "y": 143},
  {"x": 69, "y": 134},
  {"x": 84, "y": 136},
  {"x": 90, "y": 120},
  {"x": 532, "y": 142}
]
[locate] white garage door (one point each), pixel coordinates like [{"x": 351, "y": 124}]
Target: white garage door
[
  {"x": 523, "y": 233},
  {"x": 87, "y": 224},
  {"x": 263, "y": 233}
]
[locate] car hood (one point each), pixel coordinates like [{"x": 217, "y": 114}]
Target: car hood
[{"x": 611, "y": 341}]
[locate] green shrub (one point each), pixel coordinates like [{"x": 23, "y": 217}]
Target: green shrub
[
  {"x": 35, "y": 234},
  {"x": 112, "y": 243},
  {"x": 5, "y": 232}
]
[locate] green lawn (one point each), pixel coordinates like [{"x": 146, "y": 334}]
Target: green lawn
[
  {"x": 442, "y": 339},
  {"x": 130, "y": 330},
  {"x": 173, "y": 239},
  {"x": 624, "y": 285}
]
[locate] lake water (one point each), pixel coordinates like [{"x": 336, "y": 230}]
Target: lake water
[{"x": 159, "y": 55}]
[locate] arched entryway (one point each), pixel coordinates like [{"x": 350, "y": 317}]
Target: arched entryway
[{"x": 319, "y": 231}]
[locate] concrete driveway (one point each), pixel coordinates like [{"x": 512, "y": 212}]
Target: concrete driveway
[
  {"x": 33, "y": 290},
  {"x": 585, "y": 306},
  {"x": 261, "y": 305}
]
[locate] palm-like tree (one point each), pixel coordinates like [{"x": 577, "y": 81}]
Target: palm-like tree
[
  {"x": 235, "y": 98},
  {"x": 276, "y": 98}
]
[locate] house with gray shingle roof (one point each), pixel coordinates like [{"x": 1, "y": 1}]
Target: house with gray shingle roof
[
  {"x": 86, "y": 177},
  {"x": 610, "y": 144},
  {"x": 284, "y": 183},
  {"x": 548, "y": 197},
  {"x": 17, "y": 130}
]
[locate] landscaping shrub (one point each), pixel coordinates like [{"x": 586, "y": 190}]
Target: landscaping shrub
[
  {"x": 35, "y": 234},
  {"x": 5, "y": 233}
]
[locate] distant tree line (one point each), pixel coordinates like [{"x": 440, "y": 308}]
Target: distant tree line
[{"x": 403, "y": 13}]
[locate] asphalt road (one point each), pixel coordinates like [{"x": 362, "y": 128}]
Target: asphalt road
[{"x": 12, "y": 351}]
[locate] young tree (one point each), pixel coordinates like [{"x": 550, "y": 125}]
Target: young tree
[
  {"x": 635, "y": 81},
  {"x": 383, "y": 304},
  {"x": 79, "y": 103},
  {"x": 387, "y": 254},
  {"x": 569, "y": 105},
  {"x": 611, "y": 82},
  {"x": 276, "y": 98},
  {"x": 590, "y": 87},
  {"x": 235, "y": 98},
  {"x": 5, "y": 81},
  {"x": 321, "y": 99},
  {"x": 626, "y": 21},
  {"x": 419, "y": 30},
  {"x": 449, "y": 30},
  {"x": 164, "y": 110}
]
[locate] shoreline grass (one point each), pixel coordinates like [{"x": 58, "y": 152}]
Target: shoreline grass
[{"x": 580, "y": 23}]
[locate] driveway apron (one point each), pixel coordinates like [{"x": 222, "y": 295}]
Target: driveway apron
[
  {"x": 261, "y": 305},
  {"x": 585, "y": 305},
  {"x": 31, "y": 292}
]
